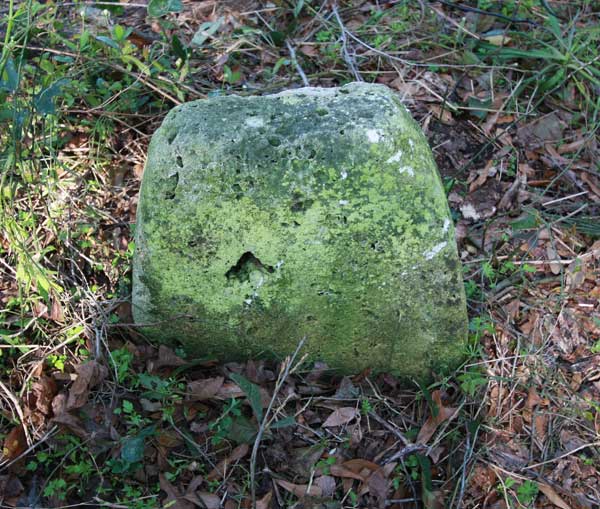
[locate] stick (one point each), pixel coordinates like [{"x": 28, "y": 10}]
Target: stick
[
  {"x": 295, "y": 62},
  {"x": 286, "y": 368}
]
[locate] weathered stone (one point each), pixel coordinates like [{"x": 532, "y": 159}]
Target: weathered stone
[{"x": 314, "y": 212}]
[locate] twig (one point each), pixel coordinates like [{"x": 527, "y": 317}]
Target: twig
[
  {"x": 18, "y": 410},
  {"x": 566, "y": 454},
  {"x": 296, "y": 64},
  {"x": 286, "y": 368},
  {"x": 346, "y": 55},
  {"x": 30, "y": 448}
]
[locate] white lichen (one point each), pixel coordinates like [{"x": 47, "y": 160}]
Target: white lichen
[
  {"x": 373, "y": 135},
  {"x": 255, "y": 122},
  {"x": 395, "y": 158},
  {"x": 407, "y": 169},
  {"x": 434, "y": 250},
  {"x": 446, "y": 226}
]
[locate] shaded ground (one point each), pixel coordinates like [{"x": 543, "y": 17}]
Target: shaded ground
[{"x": 94, "y": 416}]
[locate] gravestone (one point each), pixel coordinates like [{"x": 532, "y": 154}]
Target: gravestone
[{"x": 312, "y": 212}]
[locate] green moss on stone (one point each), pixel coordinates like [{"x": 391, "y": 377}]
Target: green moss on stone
[{"x": 314, "y": 212}]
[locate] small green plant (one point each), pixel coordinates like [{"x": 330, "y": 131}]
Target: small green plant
[
  {"x": 121, "y": 360},
  {"x": 324, "y": 465},
  {"x": 56, "y": 488},
  {"x": 527, "y": 493},
  {"x": 471, "y": 381},
  {"x": 365, "y": 406}
]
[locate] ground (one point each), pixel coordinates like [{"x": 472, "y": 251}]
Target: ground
[{"x": 93, "y": 415}]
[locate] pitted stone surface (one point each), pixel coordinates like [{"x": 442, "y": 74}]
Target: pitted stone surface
[{"x": 315, "y": 212}]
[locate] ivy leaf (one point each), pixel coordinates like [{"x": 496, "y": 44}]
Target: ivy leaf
[
  {"x": 132, "y": 450},
  {"x": 242, "y": 430},
  {"x": 157, "y": 8},
  {"x": 206, "y": 30},
  {"x": 252, "y": 392},
  {"x": 44, "y": 101},
  {"x": 284, "y": 423},
  {"x": 10, "y": 77}
]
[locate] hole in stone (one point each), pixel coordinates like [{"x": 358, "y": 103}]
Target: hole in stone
[
  {"x": 170, "y": 186},
  {"x": 171, "y": 137},
  {"x": 237, "y": 189},
  {"x": 179, "y": 161},
  {"x": 342, "y": 132},
  {"x": 275, "y": 142},
  {"x": 301, "y": 205},
  {"x": 322, "y": 112},
  {"x": 245, "y": 266},
  {"x": 310, "y": 318}
]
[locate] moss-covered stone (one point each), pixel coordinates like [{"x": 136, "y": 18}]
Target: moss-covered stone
[{"x": 315, "y": 212}]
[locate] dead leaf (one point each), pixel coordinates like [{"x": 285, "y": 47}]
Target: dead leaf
[
  {"x": 265, "y": 502},
  {"x": 554, "y": 497},
  {"x": 309, "y": 50},
  {"x": 14, "y": 443},
  {"x": 358, "y": 465},
  {"x": 220, "y": 471},
  {"x": 201, "y": 390},
  {"x": 229, "y": 390},
  {"x": 167, "y": 358},
  {"x": 204, "y": 499},
  {"x": 341, "y": 416},
  {"x": 341, "y": 471},
  {"x": 10, "y": 489},
  {"x": 327, "y": 485},
  {"x": 431, "y": 424},
  {"x": 378, "y": 486},
  {"x": 444, "y": 115},
  {"x": 300, "y": 490},
  {"x": 174, "y": 500},
  {"x": 89, "y": 375},
  {"x": 72, "y": 423},
  {"x": 44, "y": 390}
]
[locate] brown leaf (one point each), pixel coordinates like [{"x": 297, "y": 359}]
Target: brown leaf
[
  {"x": 89, "y": 375},
  {"x": 358, "y": 465},
  {"x": 201, "y": 390},
  {"x": 220, "y": 471},
  {"x": 10, "y": 488},
  {"x": 341, "y": 416},
  {"x": 309, "y": 50},
  {"x": 204, "y": 499},
  {"x": 378, "y": 486},
  {"x": 341, "y": 471},
  {"x": 72, "y": 423},
  {"x": 554, "y": 497},
  {"x": 43, "y": 390},
  {"x": 431, "y": 424},
  {"x": 14, "y": 443},
  {"x": 229, "y": 390},
  {"x": 174, "y": 498},
  {"x": 300, "y": 490},
  {"x": 327, "y": 485},
  {"x": 167, "y": 358},
  {"x": 265, "y": 502}
]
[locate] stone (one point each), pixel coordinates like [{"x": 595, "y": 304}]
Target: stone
[{"x": 312, "y": 212}]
